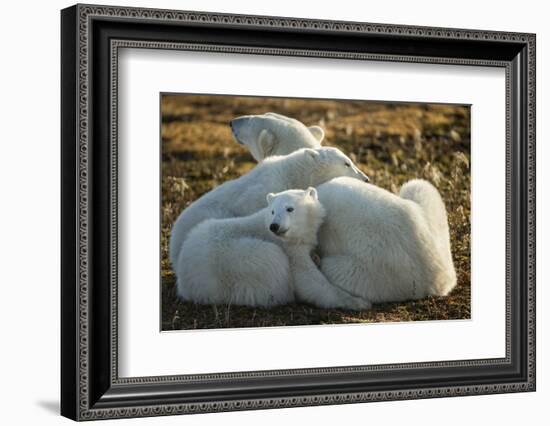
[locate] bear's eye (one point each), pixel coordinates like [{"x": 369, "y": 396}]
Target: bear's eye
[
  {"x": 290, "y": 209},
  {"x": 347, "y": 164},
  {"x": 272, "y": 211}
]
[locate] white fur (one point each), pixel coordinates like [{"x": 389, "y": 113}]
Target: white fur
[
  {"x": 375, "y": 244},
  {"x": 240, "y": 261},
  {"x": 246, "y": 195},
  {"x": 383, "y": 247},
  {"x": 271, "y": 134}
]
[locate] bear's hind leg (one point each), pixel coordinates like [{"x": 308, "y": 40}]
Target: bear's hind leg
[{"x": 257, "y": 273}]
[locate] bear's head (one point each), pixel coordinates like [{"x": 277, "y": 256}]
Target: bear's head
[
  {"x": 271, "y": 134},
  {"x": 295, "y": 215},
  {"x": 328, "y": 163}
]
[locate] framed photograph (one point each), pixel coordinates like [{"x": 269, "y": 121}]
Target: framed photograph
[{"x": 263, "y": 212}]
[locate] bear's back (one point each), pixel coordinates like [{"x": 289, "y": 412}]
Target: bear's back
[{"x": 360, "y": 216}]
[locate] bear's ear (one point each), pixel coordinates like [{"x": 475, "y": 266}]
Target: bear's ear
[
  {"x": 312, "y": 192},
  {"x": 312, "y": 153},
  {"x": 266, "y": 143},
  {"x": 269, "y": 197},
  {"x": 317, "y": 132}
]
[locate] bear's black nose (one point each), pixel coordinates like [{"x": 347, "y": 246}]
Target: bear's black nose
[{"x": 274, "y": 227}]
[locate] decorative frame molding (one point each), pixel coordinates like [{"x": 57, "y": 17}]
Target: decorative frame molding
[{"x": 91, "y": 38}]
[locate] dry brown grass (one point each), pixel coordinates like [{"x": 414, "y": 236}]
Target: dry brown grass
[{"x": 392, "y": 143}]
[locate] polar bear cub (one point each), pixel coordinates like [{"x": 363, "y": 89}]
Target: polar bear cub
[
  {"x": 384, "y": 247},
  {"x": 274, "y": 134},
  {"x": 260, "y": 260},
  {"x": 245, "y": 195}
]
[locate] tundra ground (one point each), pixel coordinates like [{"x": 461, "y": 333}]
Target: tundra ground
[{"x": 391, "y": 142}]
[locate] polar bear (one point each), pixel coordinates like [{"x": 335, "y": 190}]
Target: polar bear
[
  {"x": 274, "y": 134},
  {"x": 374, "y": 255},
  {"x": 260, "y": 260},
  {"x": 246, "y": 195},
  {"x": 383, "y": 247}
]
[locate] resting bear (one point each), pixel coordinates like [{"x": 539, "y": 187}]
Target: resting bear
[
  {"x": 383, "y": 247},
  {"x": 379, "y": 245},
  {"x": 274, "y": 134},
  {"x": 246, "y": 195},
  {"x": 260, "y": 260}
]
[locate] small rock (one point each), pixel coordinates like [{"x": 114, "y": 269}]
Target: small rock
[
  {"x": 455, "y": 136},
  {"x": 349, "y": 130}
]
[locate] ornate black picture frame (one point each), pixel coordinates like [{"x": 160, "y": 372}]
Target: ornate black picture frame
[{"x": 91, "y": 36}]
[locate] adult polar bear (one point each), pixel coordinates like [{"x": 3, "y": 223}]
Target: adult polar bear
[
  {"x": 260, "y": 260},
  {"x": 384, "y": 247},
  {"x": 378, "y": 245},
  {"x": 246, "y": 195},
  {"x": 274, "y": 134}
]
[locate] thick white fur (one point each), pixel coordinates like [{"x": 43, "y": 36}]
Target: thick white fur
[
  {"x": 271, "y": 134},
  {"x": 376, "y": 244},
  {"x": 246, "y": 195},
  {"x": 383, "y": 247},
  {"x": 240, "y": 261}
]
